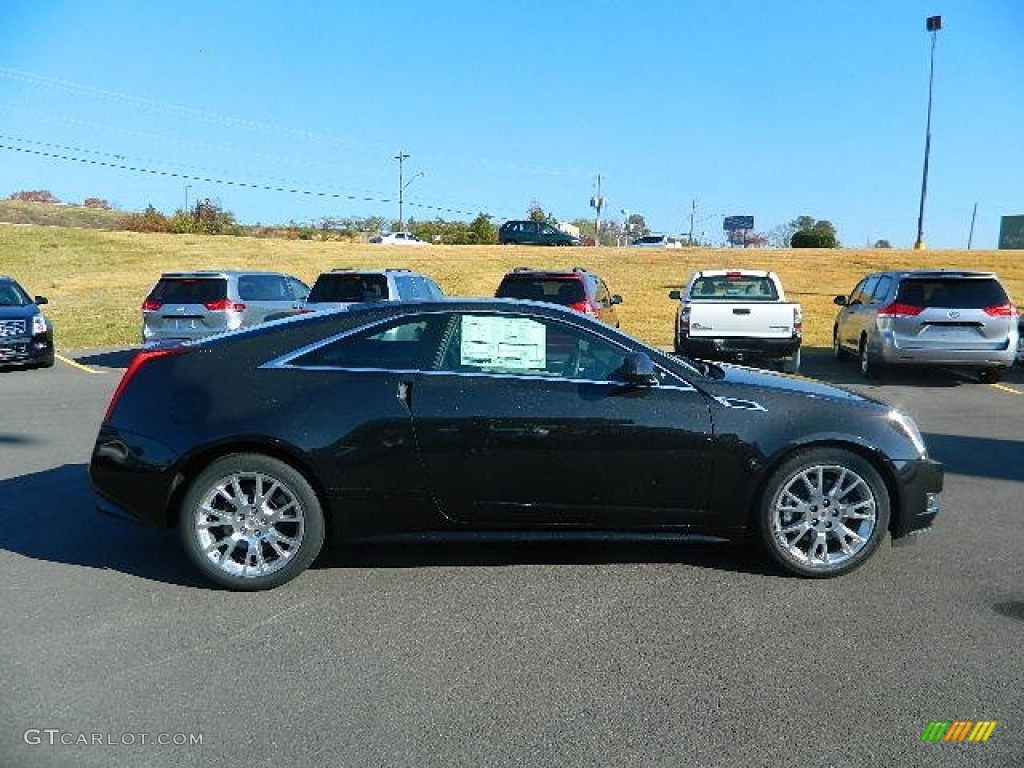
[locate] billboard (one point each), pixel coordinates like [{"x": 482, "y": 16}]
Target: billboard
[
  {"x": 1011, "y": 233},
  {"x": 732, "y": 223}
]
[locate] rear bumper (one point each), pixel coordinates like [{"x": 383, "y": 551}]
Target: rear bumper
[
  {"x": 739, "y": 349},
  {"x": 919, "y": 484}
]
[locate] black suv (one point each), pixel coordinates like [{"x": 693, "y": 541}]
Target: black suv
[
  {"x": 533, "y": 233},
  {"x": 26, "y": 334},
  {"x": 575, "y": 288}
]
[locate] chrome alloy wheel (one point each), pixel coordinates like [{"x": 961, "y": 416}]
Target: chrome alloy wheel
[
  {"x": 824, "y": 515},
  {"x": 249, "y": 524}
]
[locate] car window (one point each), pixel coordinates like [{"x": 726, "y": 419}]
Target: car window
[
  {"x": 956, "y": 293},
  {"x": 262, "y": 288},
  {"x": 734, "y": 287},
  {"x": 189, "y": 290},
  {"x": 546, "y": 229},
  {"x": 881, "y": 290},
  {"x": 11, "y": 295},
  {"x": 525, "y": 346},
  {"x": 862, "y": 292},
  {"x": 406, "y": 345},
  {"x": 349, "y": 287},
  {"x": 557, "y": 290},
  {"x": 299, "y": 290}
]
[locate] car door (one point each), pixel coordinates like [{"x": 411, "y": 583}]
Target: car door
[
  {"x": 524, "y": 424},
  {"x": 854, "y": 317}
]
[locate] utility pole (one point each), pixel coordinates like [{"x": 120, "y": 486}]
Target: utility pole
[
  {"x": 401, "y": 157},
  {"x": 933, "y": 24},
  {"x": 597, "y": 203},
  {"x": 693, "y": 213},
  {"x": 970, "y": 237}
]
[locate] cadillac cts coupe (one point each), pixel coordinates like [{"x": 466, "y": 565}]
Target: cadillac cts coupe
[{"x": 493, "y": 415}]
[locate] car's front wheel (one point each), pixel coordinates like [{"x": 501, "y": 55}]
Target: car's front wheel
[
  {"x": 251, "y": 522},
  {"x": 837, "y": 346},
  {"x": 869, "y": 364},
  {"x": 823, "y": 512}
]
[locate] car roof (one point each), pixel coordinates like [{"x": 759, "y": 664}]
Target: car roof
[
  {"x": 531, "y": 272},
  {"x": 199, "y": 273},
  {"x": 966, "y": 274},
  {"x": 740, "y": 272},
  {"x": 356, "y": 271}
]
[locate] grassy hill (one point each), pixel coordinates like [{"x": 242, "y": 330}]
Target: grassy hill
[
  {"x": 58, "y": 215},
  {"x": 96, "y": 280}
]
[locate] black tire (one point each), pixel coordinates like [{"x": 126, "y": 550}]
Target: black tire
[
  {"x": 990, "y": 375},
  {"x": 837, "y": 348},
  {"x": 275, "y": 552},
  {"x": 792, "y": 364},
  {"x": 841, "y": 522},
  {"x": 869, "y": 365}
]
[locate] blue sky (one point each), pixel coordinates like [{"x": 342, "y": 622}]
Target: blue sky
[{"x": 770, "y": 109}]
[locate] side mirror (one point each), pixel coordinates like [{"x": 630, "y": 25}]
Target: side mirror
[
  {"x": 638, "y": 368},
  {"x": 616, "y": 299},
  {"x": 41, "y": 300},
  {"x": 840, "y": 300},
  {"x": 677, "y": 295}
]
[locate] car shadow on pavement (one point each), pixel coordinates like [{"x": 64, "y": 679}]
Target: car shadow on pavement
[
  {"x": 819, "y": 363},
  {"x": 978, "y": 456},
  {"x": 556, "y": 549},
  {"x": 117, "y": 358},
  {"x": 51, "y": 516}
]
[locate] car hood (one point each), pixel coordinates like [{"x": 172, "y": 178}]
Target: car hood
[
  {"x": 738, "y": 377},
  {"x": 23, "y": 312}
]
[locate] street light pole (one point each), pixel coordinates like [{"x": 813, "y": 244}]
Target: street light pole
[
  {"x": 401, "y": 157},
  {"x": 187, "y": 188},
  {"x": 933, "y": 24}
]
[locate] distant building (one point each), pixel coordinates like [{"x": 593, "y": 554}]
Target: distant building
[
  {"x": 568, "y": 228},
  {"x": 1011, "y": 233}
]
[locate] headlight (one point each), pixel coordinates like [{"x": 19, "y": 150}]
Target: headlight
[
  {"x": 38, "y": 325},
  {"x": 906, "y": 426}
]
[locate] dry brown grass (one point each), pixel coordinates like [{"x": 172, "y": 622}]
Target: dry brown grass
[{"x": 97, "y": 280}]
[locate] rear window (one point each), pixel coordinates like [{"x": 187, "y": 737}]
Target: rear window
[
  {"x": 349, "y": 288},
  {"x": 952, "y": 293},
  {"x": 650, "y": 240},
  {"x": 735, "y": 288},
  {"x": 189, "y": 290},
  {"x": 556, "y": 290}
]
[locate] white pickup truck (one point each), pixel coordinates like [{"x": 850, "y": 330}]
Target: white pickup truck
[{"x": 738, "y": 315}]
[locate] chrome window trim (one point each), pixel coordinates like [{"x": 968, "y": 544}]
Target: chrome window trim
[{"x": 284, "y": 361}]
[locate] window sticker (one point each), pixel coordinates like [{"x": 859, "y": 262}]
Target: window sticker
[{"x": 506, "y": 343}]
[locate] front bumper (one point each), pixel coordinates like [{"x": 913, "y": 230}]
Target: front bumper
[
  {"x": 919, "y": 483},
  {"x": 26, "y": 350}
]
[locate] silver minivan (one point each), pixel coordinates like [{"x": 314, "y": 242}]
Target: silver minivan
[
  {"x": 190, "y": 305},
  {"x": 928, "y": 317}
]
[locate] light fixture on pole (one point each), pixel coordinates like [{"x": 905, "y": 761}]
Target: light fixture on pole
[{"x": 933, "y": 25}]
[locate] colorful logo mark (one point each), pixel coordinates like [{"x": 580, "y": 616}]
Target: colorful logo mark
[{"x": 959, "y": 730}]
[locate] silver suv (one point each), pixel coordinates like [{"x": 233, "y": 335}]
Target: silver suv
[
  {"x": 190, "y": 305},
  {"x": 928, "y": 317},
  {"x": 342, "y": 288}
]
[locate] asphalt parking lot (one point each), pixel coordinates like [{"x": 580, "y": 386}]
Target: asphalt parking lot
[{"x": 532, "y": 653}]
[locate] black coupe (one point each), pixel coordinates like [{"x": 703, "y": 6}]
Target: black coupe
[{"x": 492, "y": 415}]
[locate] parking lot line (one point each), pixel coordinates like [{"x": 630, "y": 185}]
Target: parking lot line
[
  {"x": 1005, "y": 388},
  {"x": 76, "y": 364}
]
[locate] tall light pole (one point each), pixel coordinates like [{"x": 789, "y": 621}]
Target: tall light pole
[
  {"x": 933, "y": 25},
  {"x": 187, "y": 188},
  {"x": 401, "y": 157}
]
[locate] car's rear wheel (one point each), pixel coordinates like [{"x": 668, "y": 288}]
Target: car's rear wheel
[
  {"x": 823, "y": 512},
  {"x": 251, "y": 522},
  {"x": 869, "y": 364},
  {"x": 792, "y": 364},
  {"x": 837, "y": 347}
]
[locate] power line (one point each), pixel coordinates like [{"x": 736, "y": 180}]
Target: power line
[{"x": 227, "y": 182}]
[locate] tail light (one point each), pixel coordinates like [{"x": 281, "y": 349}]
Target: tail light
[
  {"x": 151, "y": 306},
  {"x": 140, "y": 359},
  {"x": 684, "y": 320},
  {"x": 896, "y": 309},
  {"x": 1003, "y": 310},
  {"x": 798, "y": 322},
  {"x": 585, "y": 307},
  {"x": 224, "y": 305}
]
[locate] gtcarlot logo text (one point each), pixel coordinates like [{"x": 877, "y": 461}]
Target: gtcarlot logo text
[{"x": 55, "y": 736}]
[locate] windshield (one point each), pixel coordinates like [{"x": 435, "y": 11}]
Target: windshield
[
  {"x": 189, "y": 290},
  {"x": 552, "y": 289},
  {"x": 348, "y": 288},
  {"x": 12, "y": 295},
  {"x": 734, "y": 288},
  {"x": 971, "y": 293}
]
